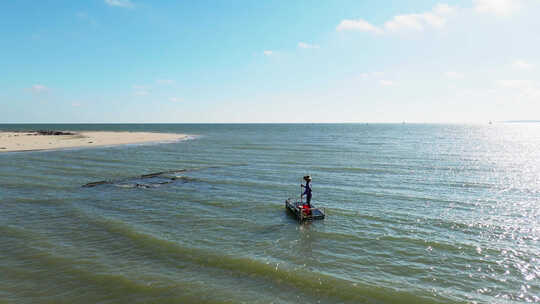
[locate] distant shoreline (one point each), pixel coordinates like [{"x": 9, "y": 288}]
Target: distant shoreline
[
  {"x": 24, "y": 141},
  {"x": 522, "y": 121}
]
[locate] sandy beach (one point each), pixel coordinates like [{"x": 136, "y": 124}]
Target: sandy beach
[{"x": 33, "y": 140}]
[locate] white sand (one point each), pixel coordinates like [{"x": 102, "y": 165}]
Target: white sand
[{"x": 29, "y": 141}]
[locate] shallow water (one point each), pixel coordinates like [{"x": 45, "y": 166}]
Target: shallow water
[{"x": 416, "y": 214}]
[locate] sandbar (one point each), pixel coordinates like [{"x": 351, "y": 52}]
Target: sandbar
[{"x": 37, "y": 140}]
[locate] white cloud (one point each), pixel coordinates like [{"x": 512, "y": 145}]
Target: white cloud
[
  {"x": 304, "y": 45},
  {"x": 165, "y": 81},
  {"x": 411, "y": 22},
  {"x": 358, "y": 25},
  {"x": 525, "y": 88},
  {"x": 454, "y": 75},
  {"x": 141, "y": 93},
  {"x": 436, "y": 18},
  {"x": 444, "y": 9},
  {"x": 370, "y": 76},
  {"x": 364, "y": 75},
  {"x": 140, "y": 90},
  {"x": 268, "y": 53},
  {"x": 119, "y": 3},
  {"x": 522, "y": 65},
  {"x": 175, "y": 99},
  {"x": 38, "y": 89},
  {"x": 386, "y": 83},
  {"x": 497, "y": 7},
  {"x": 516, "y": 84}
]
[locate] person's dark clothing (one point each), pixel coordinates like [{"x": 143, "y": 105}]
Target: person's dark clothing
[{"x": 307, "y": 193}]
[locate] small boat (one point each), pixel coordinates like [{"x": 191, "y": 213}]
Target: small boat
[{"x": 304, "y": 214}]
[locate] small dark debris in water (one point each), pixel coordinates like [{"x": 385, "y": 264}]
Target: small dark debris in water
[
  {"x": 2, "y": 148},
  {"x": 90, "y": 142}
]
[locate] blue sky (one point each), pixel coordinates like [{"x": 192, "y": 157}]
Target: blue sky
[{"x": 269, "y": 61}]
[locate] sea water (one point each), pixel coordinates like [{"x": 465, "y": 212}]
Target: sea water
[{"x": 416, "y": 213}]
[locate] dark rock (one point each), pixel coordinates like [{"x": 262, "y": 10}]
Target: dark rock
[
  {"x": 93, "y": 184},
  {"x": 52, "y": 132},
  {"x": 144, "y": 176}
]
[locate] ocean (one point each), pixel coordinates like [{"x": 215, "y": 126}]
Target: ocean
[{"x": 416, "y": 213}]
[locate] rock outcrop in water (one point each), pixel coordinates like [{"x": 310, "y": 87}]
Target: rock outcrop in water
[
  {"x": 45, "y": 132},
  {"x": 51, "y": 132},
  {"x": 140, "y": 177},
  {"x": 151, "y": 180}
]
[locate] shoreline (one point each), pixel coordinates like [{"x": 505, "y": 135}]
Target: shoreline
[{"x": 28, "y": 141}]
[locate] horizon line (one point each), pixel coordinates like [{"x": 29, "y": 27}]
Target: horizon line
[{"x": 266, "y": 123}]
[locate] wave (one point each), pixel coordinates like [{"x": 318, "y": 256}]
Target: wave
[
  {"x": 90, "y": 282},
  {"x": 308, "y": 282}
]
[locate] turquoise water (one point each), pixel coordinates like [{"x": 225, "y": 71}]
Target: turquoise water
[{"x": 415, "y": 214}]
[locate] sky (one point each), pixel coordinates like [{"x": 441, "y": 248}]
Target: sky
[{"x": 255, "y": 61}]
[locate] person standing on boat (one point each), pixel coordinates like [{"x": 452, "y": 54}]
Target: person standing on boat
[{"x": 307, "y": 193}]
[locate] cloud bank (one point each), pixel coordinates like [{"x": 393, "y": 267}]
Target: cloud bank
[
  {"x": 497, "y": 7},
  {"x": 436, "y": 18}
]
